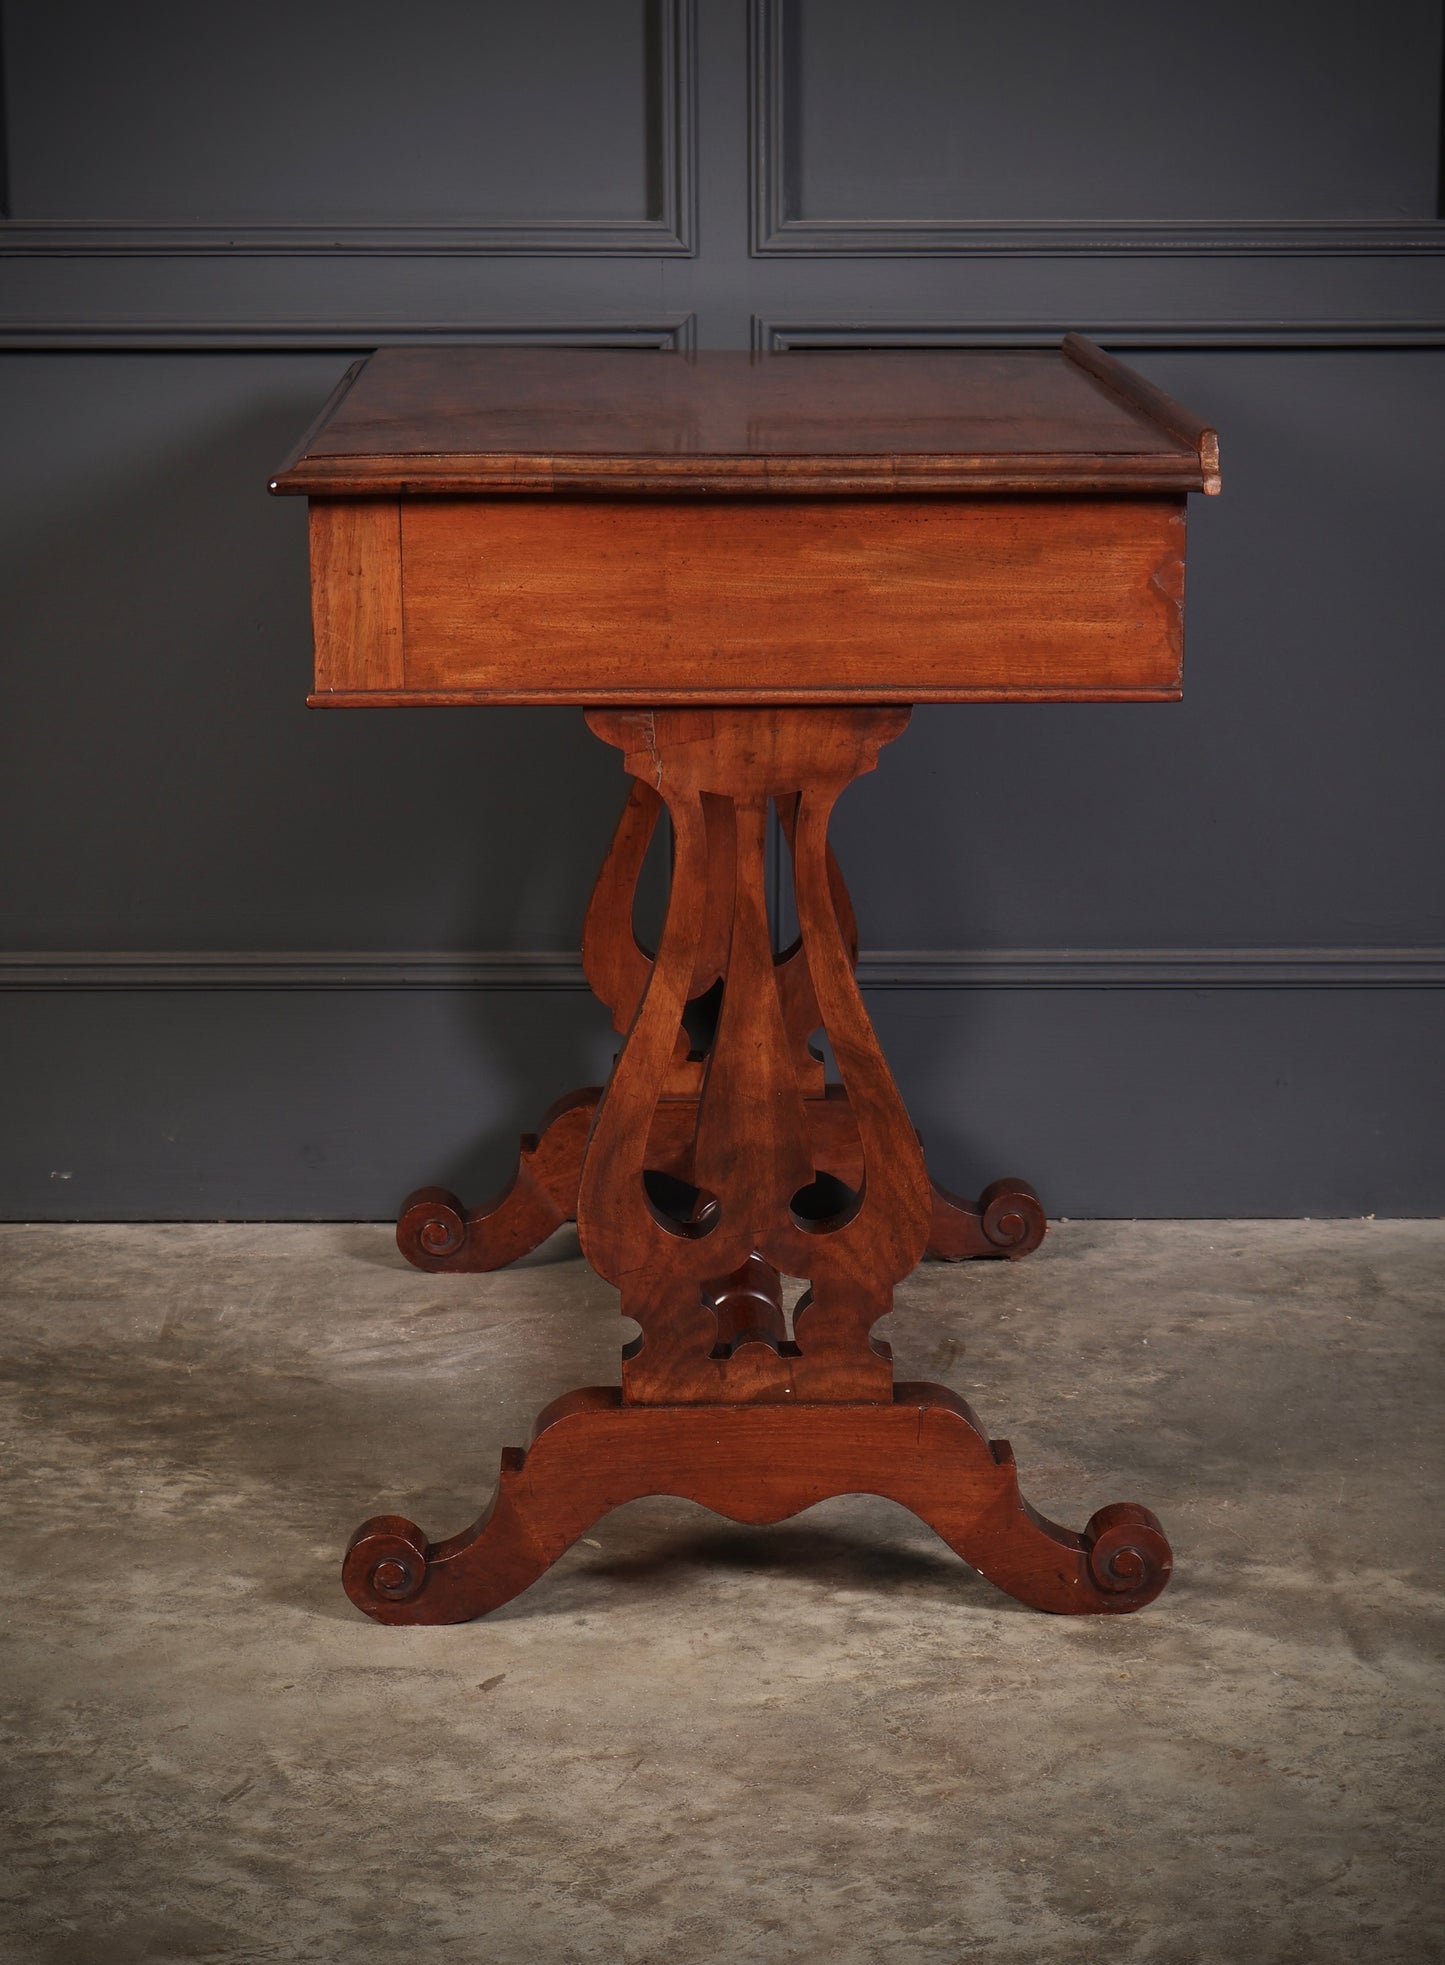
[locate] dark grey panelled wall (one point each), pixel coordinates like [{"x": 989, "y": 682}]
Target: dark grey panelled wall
[{"x": 266, "y": 961}]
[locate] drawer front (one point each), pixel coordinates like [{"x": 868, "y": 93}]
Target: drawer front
[{"x": 836, "y": 600}]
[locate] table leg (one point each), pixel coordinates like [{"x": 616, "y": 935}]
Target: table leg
[
  {"x": 694, "y": 1199},
  {"x": 436, "y": 1232}
]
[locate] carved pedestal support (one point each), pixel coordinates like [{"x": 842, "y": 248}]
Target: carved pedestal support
[
  {"x": 701, "y": 1177},
  {"x": 437, "y": 1232}
]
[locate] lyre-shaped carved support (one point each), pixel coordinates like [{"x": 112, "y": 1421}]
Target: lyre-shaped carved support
[
  {"x": 436, "y": 1232},
  {"x": 700, "y": 1181},
  {"x": 753, "y": 1161}
]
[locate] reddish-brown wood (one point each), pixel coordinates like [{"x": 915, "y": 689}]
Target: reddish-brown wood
[
  {"x": 813, "y": 600},
  {"x": 1141, "y": 395},
  {"x": 591, "y": 1451},
  {"x": 753, "y": 1154},
  {"x": 825, "y": 528},
  {"x": 704, "y": 548},
  {"x": 356, "y": 598},
  {"x": 624, "y": 423},
  {"x": 720, "y": 1401},
  {"x": 613, "y": 960},
  {"x": 437, "y": 1232},
  {"x": 1007, "y": 1219},
  {"x": 857, "y": 600}
]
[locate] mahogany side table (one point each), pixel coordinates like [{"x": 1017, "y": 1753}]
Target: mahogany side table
[{"x": 745, "y": 570}]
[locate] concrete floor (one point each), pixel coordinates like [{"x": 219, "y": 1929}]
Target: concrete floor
[{"x": 827, "y": 1741}]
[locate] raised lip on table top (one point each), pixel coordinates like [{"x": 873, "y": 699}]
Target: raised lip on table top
[{"x": 1192, "y": 466}]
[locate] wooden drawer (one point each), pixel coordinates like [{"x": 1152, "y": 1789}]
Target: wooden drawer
[{"x": 538, "y": 600}]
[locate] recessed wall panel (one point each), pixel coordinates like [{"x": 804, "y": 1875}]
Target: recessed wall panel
[
  {"x": 933, "y": 112},
  {"x": 360, "y": 112}
]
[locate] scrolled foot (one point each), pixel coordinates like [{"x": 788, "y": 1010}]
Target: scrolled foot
[
  {"x": 386, "y": 1564},
  {"x": 1127, "y": 1553},
  {"x": 1006, "y": 1220},
  {"x": 1012, "y": 1218},
  {"x": 757, "y": 1462},
  {"x": 436, "y": 1232},
  {"x": 432, "y": 1226}
]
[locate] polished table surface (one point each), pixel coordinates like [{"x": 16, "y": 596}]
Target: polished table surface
[
  {"x": 659, "y": 528},
  {"x": 745, "y": 569},
  {"x": 629, "y": 420}
]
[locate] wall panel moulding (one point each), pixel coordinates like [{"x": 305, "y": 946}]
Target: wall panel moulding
[
  {"x": 665, "y": 170},
  {"x": 877, "y": 133},
  {"x": 947, "y": 969},
  {"x": 784, "y": 337},
  {"x": 676, "y": 332}
]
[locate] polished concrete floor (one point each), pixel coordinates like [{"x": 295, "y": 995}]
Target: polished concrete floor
[{"x": 691, "y": 1741}]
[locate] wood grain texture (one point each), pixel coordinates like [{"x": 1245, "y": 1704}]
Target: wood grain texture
[
  {"x": 905, "y": 600},
  {"x": 591, "y": 1451},
  {"x": 356, "y": 595},
  {"x": 628, "y": 423},
  {"x": 701, "y": 1177},
  {"x": 695, "y": 1207},
  {"x": 754, "y": 1182},
  {"x": 321, "y": 421},
  {"x": 436, "y": 1231},
  {"x": 1133, "y": 388}
]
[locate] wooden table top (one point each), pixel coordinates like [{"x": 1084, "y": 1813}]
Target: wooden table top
[
  {"x": 944, "y": 526},
  {"x": 626, "y": 422}
]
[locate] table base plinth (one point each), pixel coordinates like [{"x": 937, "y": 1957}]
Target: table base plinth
[
  {"x": 591, "y": 1452},
  {"x": 716, "y": 1162}
]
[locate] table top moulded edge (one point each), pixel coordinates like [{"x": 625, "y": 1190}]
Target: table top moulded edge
[
  {"x": 1187, "y": 460},
  {"x": 363, "y": 490}
]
